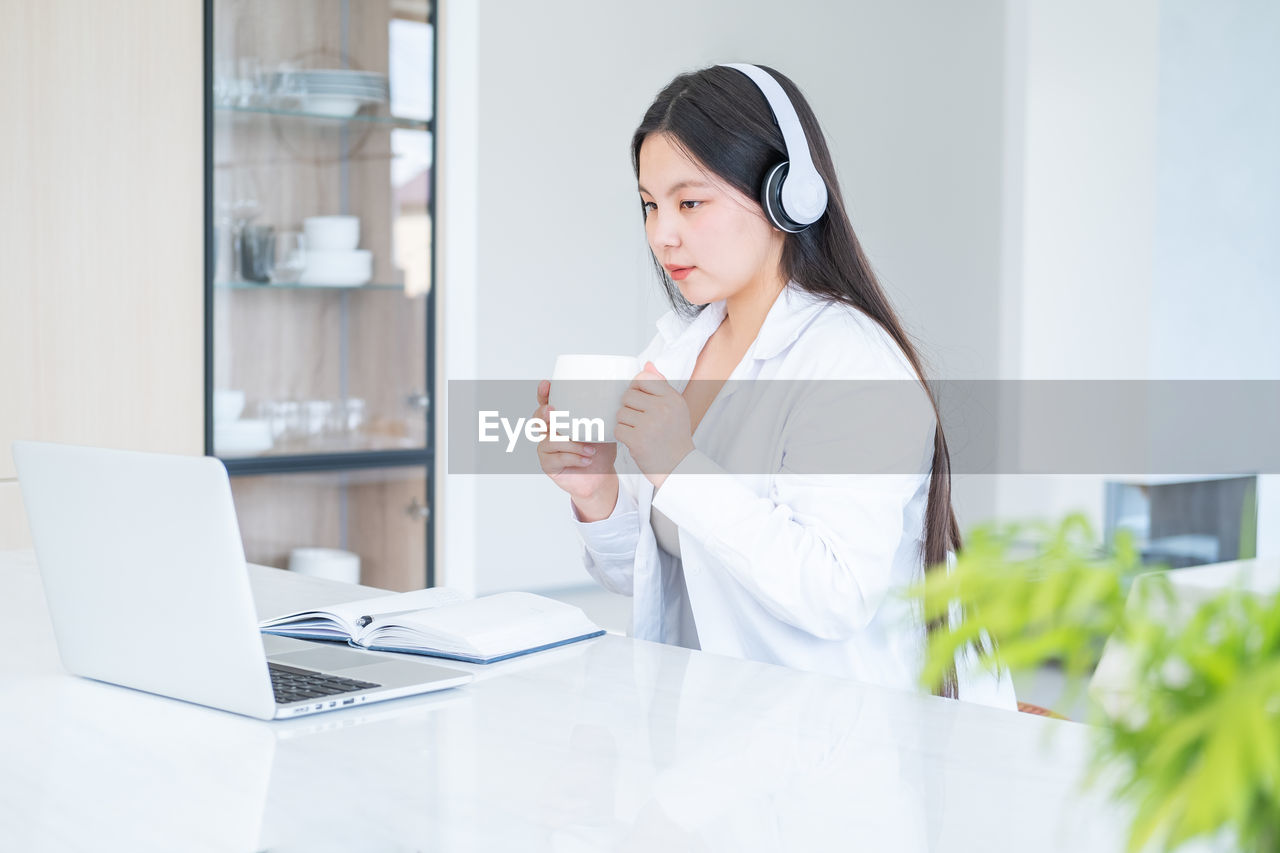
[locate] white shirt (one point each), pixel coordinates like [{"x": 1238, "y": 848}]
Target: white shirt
[{"x": 782, "y": 563}]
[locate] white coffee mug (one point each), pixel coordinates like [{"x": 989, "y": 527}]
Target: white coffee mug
[
  {"x": 591, "y": 387},
  {"x": 328, "y": 563}
]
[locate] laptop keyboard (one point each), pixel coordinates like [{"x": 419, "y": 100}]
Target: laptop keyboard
[{"x": 291, "y": 684}]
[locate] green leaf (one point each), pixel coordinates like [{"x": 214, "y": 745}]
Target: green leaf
[{"x": 1153, "y": 814}]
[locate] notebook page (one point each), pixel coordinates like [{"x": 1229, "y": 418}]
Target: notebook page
[
  {"x": 418, "y": 599},
  {"x": 495, "y": 624}
]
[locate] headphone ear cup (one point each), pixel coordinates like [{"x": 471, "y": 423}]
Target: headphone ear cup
[{"x": 771, "y": 200}]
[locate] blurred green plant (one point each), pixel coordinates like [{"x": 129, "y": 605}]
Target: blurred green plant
[{"x": 1195, "y": 749}]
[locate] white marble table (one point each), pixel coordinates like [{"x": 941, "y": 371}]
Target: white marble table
[
  {"x": 612, "y": 744},
  {"x": 1191, "y": 587}
]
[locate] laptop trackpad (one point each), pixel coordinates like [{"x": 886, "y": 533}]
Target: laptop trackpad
[{"x": 325, "y": 660}]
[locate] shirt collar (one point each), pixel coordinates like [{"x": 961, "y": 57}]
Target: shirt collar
[{"x": 787, "y": 318}]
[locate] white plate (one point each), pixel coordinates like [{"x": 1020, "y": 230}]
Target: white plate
[
  {"x": 381, "y": 85},
  {"x": 379, "y": 82},
  {"x": 338, "y": 269},
  {"x": 342, "y": 72},
  {"x": 341, "y": 81},
  {"x": 333, "y": 281},
  {"x": 338, "y": 106},
  {"x": 364, "y": 94}
]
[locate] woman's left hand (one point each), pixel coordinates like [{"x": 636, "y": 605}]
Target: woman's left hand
[{"x": 654, "y": 424}]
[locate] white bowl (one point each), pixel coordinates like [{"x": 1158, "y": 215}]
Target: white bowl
[
  {"x": 227, "y": 405},
  {"x": 242, "y": 437},
  {"x": 328, "y": 563},
  {"x": 331, "y": 233},
  {"x": 343, "y": 269}
]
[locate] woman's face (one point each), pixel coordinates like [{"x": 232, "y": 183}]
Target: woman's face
[{"x": 713, "y": 240}]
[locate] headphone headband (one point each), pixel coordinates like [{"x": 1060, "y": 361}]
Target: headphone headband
[{"x": 803, "y": 194}]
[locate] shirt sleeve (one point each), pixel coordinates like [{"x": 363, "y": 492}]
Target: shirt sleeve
[
  {"x": 609, "y": 545},
  {"x": 818, "y": 551}
]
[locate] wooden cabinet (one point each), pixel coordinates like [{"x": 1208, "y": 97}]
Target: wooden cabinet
[
  {"x": 118, "y": 325},
  {"x": 319, "y": 384},
  {"x": 100, "y": 230}
]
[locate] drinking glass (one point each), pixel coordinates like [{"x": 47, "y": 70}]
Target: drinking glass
[
  {"x": 257, "y": 252},
  {"x": 251, "y": 81},
  {"x": 316, "y": 417},
  {"x": 290, "y": 257}
]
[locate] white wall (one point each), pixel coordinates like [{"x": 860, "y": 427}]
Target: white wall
[
  {"x": 1215, "y": 308},
  {"x": 1080, "y": 132},
  {"x": 1145, "y": 200},
  {"x": 1088, "y": 189},
  {"x": 911, "y": 99},
  {"x": 456, "y": 256}
]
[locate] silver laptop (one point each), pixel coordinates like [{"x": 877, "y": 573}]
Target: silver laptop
[{"x": 147, "y": 587}]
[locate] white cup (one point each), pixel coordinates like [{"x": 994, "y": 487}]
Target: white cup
[
  {"x": 228, "y": 405},
  {"x": 328, "y": 563},
  {"x": 591, "y": 386},
  {"x": 332, "y": 233}
]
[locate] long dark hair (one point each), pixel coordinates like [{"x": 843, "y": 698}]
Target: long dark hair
[{"x": 722, "y": 120}]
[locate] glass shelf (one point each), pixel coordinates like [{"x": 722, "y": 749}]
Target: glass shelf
[
  {"x": 258, "y": 285},
  {"x": 358, "y": 118}
]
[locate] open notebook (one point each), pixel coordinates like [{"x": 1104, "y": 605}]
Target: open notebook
[{"x": 443, "y": 623}]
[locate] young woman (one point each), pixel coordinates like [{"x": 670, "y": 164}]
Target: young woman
[{"x": 729, "y": 511}]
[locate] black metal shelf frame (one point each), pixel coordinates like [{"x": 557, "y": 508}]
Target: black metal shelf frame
[
  {"x": 347, "y": 461},
  {"x": 243, "y": 466}
]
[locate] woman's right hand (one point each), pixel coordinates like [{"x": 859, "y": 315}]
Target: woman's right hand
[{"x": 584, "y": 470}]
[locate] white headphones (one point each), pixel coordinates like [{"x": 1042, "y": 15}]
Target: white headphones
[{"x": 794, "y": 195}]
